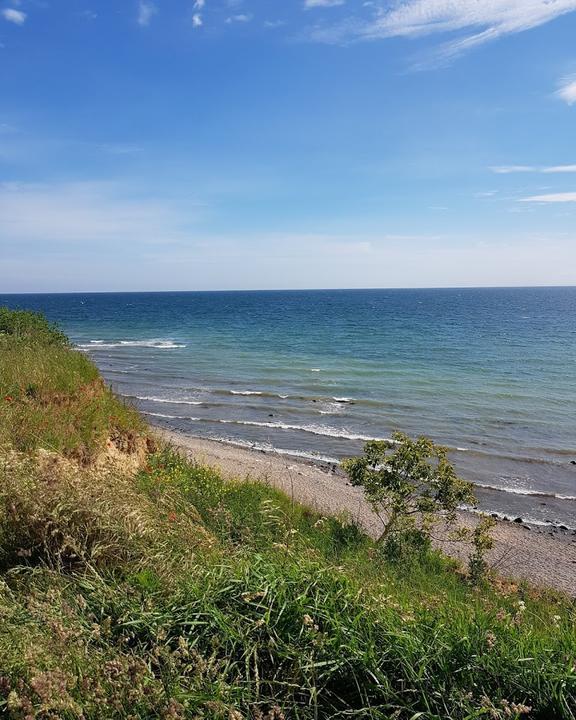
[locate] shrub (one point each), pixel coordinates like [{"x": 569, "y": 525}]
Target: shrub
[
  {"x": 410, "y": 484},
  {"x": 30, "y": 327}
]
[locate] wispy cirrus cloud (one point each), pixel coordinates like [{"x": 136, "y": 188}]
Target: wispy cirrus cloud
[
  {"x": 14, "y": 16},
  {"x": 509, "y": 169},
  {"x": 478, "y": 21},
  {"x": 322, "y": 3},
  {"x": 565, "y": 197},
  {"x": 146, "y": 11},
  {"x": 567, "y": 91},
  {"x": 85, "y": 212},
  {"x": 241, "y": 18},
  {"x": 547, "y": 170}
]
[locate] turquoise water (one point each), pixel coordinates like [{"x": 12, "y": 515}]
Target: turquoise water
[{"x": 488, "y": 372}]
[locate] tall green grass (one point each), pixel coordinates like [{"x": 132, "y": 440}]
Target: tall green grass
[
  {"x": 169, "y": 592},
  {"x": 52, "y": 396}
]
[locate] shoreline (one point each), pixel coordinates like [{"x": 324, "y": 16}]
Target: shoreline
[{"x": 540, "y": 556}]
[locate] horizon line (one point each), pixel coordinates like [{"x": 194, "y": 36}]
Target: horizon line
[{"x": 291, "y": 290}]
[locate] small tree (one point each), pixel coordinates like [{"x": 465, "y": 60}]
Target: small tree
[
  {"x": 410, "y": 485},
  {"x": 482, "y": 541}
]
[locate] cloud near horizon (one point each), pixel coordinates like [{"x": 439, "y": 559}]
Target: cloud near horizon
[
  {"x": 77, "y": 212},
  {"x": 479, "y": 22}
]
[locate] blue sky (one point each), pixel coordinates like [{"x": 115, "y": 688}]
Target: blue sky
[{"x": 221, "y": 144}]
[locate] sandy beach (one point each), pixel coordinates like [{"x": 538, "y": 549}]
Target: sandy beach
[{"x": 543, "y": 557}]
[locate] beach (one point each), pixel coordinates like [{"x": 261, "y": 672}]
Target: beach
[{"x": 544, "y": 557}]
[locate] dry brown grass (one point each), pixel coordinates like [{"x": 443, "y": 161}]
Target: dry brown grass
[{"x": 55, "y": 513}]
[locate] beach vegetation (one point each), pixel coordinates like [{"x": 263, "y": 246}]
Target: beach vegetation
[
  {"x": 53, "y": 397},
  {"x": 412, "y": 487},
  {"x": 139, "y": 584}
]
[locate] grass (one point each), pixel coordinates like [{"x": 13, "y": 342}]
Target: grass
[
  {"x": 52, "y": 396},
  {"x": 167, "y": 592}
]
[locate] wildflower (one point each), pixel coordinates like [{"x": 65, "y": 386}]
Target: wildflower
[
  {"x": 309, "y": 622},
  {"x": 172, "y": 517},
  {"x": 520, "y": 709},
  {"x": 9, "y": 398},
  {"x": 174, "y": 710},
  {"x": 521, "y": 606},
  {"x": 490, "y": 639},
  {"x": 515, "y": 709}
]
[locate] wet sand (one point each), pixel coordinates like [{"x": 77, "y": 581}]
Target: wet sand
[{"x": 543, "y": 557}]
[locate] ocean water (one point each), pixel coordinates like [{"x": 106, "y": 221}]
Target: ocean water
[{"x": 491, "y": 373}]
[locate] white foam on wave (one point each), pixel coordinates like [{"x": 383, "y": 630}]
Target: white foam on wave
[
  {"x": 272, "y": 449},
  {"x": 525, "y": 492},
  {"x": 245, "y": 392},
  {"x": 170, "y": 401},
  {"x": 168, "y": 417},
  {"x": 332, "y": 408},
  {"x": 313, "y": 429},
  {"x": 322, "y": 430},
  {"x": 526, "y": 519},
  {"x": 157, "y": 344}
]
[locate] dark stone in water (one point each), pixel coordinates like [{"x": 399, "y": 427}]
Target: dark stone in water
[
  {"x": 494, "y": 515},
  {"x": 270, "y": 414},
  {"x": 572, "y": 462},
  {"x": 563, "y": 527},
  {"x": 518, "y": 520}
]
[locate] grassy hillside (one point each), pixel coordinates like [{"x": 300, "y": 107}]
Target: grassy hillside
[{"x": 135, "y": 584}]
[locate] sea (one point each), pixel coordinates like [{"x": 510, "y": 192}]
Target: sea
[{"x": 489, "y": 373}]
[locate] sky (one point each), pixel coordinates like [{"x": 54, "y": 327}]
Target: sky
[{"x": 256, "y": 144}]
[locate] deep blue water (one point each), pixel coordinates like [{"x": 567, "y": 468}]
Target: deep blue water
[{"x": 488, "y": 372}]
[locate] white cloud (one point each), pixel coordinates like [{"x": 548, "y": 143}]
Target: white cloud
[
  {"x": 510, "y": 169},
  {"x": 560, "y": 169},
  {"x": 567, "y": 197},
  {"x": 479, "y": 20},
  {"x": 146, "y": 11},
  {"x": 567, "y": 91},
  {"x": 242, "y": 18},
  {"x": 14, "y": 16},
  {"x": 322, "y": 3},
  {"x": 199, "y": 4},
  {"x": 197, "y": 20},
  {"x": 84, "y": 212}
]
